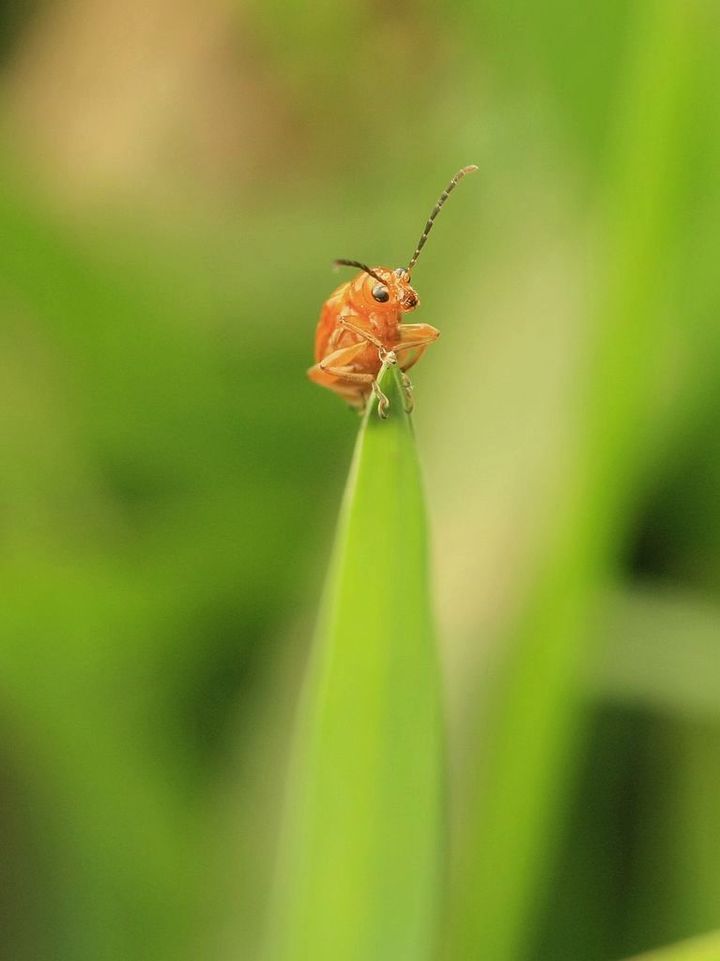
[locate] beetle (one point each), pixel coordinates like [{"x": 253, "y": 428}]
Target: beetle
[{"x": 360, "y": 331}]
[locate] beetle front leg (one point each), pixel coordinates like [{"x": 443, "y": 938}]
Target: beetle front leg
[
  {"x": 388, "y": 358},
  {"x": 414, "y": 341},
  {"x": 407, "y": 392},
  {"x": 347, "y": 324},
  {"x": 352, "y": 377},
  {"x": 382, "y": 399}
]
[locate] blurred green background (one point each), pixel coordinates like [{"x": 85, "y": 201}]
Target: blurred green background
[{"x": 175, "y": 181}]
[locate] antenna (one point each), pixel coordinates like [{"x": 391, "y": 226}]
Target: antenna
[
  {"x": 356, "y": 263},
  {"x": 436, "y": 210}
]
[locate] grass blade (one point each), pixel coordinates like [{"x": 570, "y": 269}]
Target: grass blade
[{"x": 360, "y": 855}]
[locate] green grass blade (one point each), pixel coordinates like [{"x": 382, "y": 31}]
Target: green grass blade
[{"x": 360, "y": 855}]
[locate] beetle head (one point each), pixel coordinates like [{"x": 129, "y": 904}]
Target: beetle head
[
  {"x": 390, "y": 289},
  {"x": 384, "y": 289}
]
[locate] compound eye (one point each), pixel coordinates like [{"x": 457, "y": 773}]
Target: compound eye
[{"x": 381, "y": 293}]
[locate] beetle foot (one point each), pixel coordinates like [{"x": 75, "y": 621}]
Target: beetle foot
[
  {"x": 383, "y": 402},
  {"x": 387, "y": 357},
  {"x": 407, "y": 391}
]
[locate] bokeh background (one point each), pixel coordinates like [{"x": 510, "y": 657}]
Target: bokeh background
[{"x": 176, "y": 178}]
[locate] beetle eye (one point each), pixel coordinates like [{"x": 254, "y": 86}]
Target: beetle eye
[{"x": 381, "y": 294}]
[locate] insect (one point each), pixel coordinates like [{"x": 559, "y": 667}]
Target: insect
[{"x": 360, "y": 331}]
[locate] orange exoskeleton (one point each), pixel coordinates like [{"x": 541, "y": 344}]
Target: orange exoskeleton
[{"x": 360, "y": 331}]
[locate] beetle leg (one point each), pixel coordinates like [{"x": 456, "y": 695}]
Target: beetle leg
[
  {"x": 412, "y": 358},
  {"x": 412, "y": 335},
  {"x": 389, "y": 359},
  {"x": 382, "y": 399},
  {"x": 340, "y": 357},
  {"x": 407, "y": 391},
  {"x": 352, "y": 377},
  {"x": 414, "y": 338},
  {"x": 337, "y": 364},
  {"x": 336, "y": 374},
  {"x": 361, "y": 332},
  {"x": 411, "y": 346},
  {"x": 349, "y": 375}
]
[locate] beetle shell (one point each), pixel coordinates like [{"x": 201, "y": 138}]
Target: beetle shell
[{"x": 378, "y": 325}]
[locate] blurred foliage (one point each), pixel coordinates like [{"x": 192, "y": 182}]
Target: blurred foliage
[
  {"x": 175, "y": 180},
  {"x": 697, "y": 949}
]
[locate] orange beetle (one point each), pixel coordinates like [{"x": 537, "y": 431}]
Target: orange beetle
[{"x": 360, "y": 331}]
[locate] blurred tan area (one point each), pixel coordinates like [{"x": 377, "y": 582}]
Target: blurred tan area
[{"x": 175, "y": 180}]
